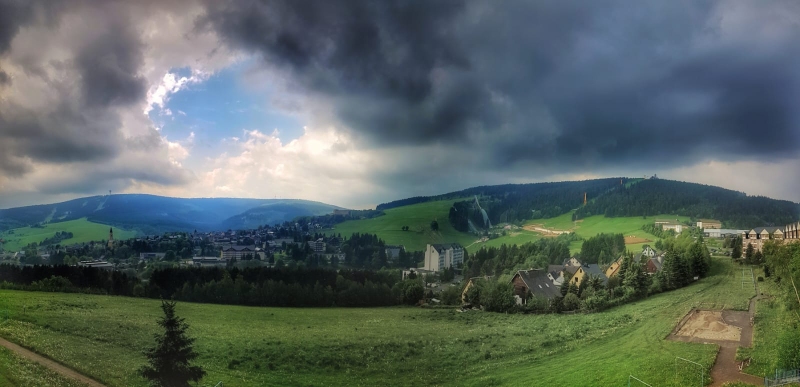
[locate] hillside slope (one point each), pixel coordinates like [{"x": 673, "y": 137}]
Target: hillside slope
[
  {"x": 658, "y": 196},
  {"x": 154, "y": 214}
]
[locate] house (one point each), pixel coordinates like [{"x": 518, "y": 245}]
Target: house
[
  {"x": 393, "y": 252},
  {"x": 757, "y": 236},
  {"x": 672, "y": 226},
  {"x": 709, "y": 223},
  {"x": 156, "y": 256},
  {"x": 534, "y": 283},
  {"x": 470, "y": 283},
  {"x": 417, "y": 273},
  {"x": 555, "y": 273},
  {"x": 207, "y": 261},
  {"x": 721, "y": 232},
  {"x": 97, "y": 264},
  {"x": 792, "y": 231},
  {"x": 572, "y": 262},
  {"x": 237, "y": 252},
  {"x": 648, "y": 251},
  {"x": 654, "y": 264},
  {"x": 317, "y": 246},
  {"x": 587, "y": 270},
  {"x": 442, "y": 256},
  {"x": 613, "y": 269}
]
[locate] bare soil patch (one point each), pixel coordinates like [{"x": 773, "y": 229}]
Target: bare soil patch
[
  {"x": 539, "y": 228},
  {"x": 631, "y": 240},
  {"x": 709, "y": 325}
]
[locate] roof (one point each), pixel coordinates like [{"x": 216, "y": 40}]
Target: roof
[
  {"x": 594, "y": 269},
  {"x": 444, "y": 246},
  {"x": 555, "y": 270},
  {"x": 538, "y": 283},
  {"x": 572, "y": 269},
  {"x": 770, "y": 230},
  {"x": 656, "y": 263},
  {"x": 708, "y": 221},
  {"x": 724, "y": 230},
  {"x": 239, "y": 248}
]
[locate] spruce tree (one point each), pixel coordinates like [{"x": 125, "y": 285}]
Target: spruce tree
[{"x": 169, "y": 361}]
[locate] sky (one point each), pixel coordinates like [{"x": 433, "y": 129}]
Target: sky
[{"x": 359, "y": 102}]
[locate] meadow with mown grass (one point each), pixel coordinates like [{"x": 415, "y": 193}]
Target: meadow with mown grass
[
  {"x": 83, "y": 231},
  {"x": 104, "y": 336},
  {"x": 418, "y": 218},
  {"x": 18, "y": 371}
]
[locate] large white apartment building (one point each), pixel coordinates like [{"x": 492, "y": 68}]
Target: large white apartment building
[{"x": 442, "y": 256}]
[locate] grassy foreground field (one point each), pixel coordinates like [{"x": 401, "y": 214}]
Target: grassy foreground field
[
  {"x": 82, "y": 230},
  {"x": 242, "y": 346}
]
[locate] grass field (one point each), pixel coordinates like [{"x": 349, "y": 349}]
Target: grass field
[
  {"x": 104, "y": 337},
  {"x": 597, "y": 224},
  {"x": 82, "y": 230},
  {"x": 418, "y": 217},
  {"x": 772, "y": 321},
  {"x": 16, "y": 371}
]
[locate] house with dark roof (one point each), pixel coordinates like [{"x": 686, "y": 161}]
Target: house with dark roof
[
  {"x": 588, "y": 270},
  {"x": 534, "y": 283}
]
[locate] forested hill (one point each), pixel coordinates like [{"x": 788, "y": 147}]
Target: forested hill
[
  {"x": 150, "y": 214},
  {"x": 658, "y": 196},
  {"x": 512, "y": 202}
]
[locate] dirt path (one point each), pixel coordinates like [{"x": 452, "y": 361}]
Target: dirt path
[
  {"x": 726, "y": 368},
  {"x": 72, "y": 374}
]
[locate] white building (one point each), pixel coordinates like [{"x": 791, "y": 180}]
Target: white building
[{"x": 442, "y": 256}]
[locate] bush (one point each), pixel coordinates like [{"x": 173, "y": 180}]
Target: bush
[
  {"x": 760, "y": 279},
  {"x": 451, "y": 295},
  {"x": 789, "y": 349},
  {"x": 595, "y": 303},
  {"x": 571, "y": 302},
  {"x": 499, "y": 297}
]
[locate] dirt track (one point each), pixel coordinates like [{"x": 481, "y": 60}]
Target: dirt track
[
  {"x": 67, "y": 372},
  {"x": 718, "y": 327}
]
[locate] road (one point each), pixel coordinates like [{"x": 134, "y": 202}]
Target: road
[{"x": 67, "y": 372}]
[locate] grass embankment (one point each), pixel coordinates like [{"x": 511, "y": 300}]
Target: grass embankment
[
  {"x": 773, "y": 320},
  {"x": 16, "y": 371},
  {"x": 104, "y": 337},
  {"x": 593, "y": 225},
  {"x": 82, "y": 230}
]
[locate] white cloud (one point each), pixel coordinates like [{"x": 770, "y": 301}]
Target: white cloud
[{"x": 158, "y": 95}]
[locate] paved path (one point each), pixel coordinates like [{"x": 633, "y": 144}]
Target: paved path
[{"x": 67, "y": 372}]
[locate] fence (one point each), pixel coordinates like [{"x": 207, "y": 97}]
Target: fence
[{"x": 783, "y": 377}]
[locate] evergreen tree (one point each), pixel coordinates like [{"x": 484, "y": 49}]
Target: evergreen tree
[
  {"x": 636, "y": 278},
  {"x": 737, "y": 248},
  {"x": 169, "y": 361},
  {"x": 749, "y": 253}
]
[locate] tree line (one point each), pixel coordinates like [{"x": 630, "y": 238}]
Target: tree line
[
  {"x": 498, "y": 260},
  {"x": 602, "y": 248},
  {"x": 653, "y": 197},
  {"x": 252, "y": 286}
]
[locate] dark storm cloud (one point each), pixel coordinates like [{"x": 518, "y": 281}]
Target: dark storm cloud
[
  {"x": 89, "y": 90},
  {"x": 4, "y": 78},
  {"x": 109, "y": 67},
  {"x": 557, "y": 83}
]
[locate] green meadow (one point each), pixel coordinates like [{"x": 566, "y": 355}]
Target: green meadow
[
  {"x": 18, "y": 371},
  {"x": 418, "y": 218},
  {"x": 82, "y": 230},
  {"x": 104, "y": 337},
  {"x": 593, "y": 225}
]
